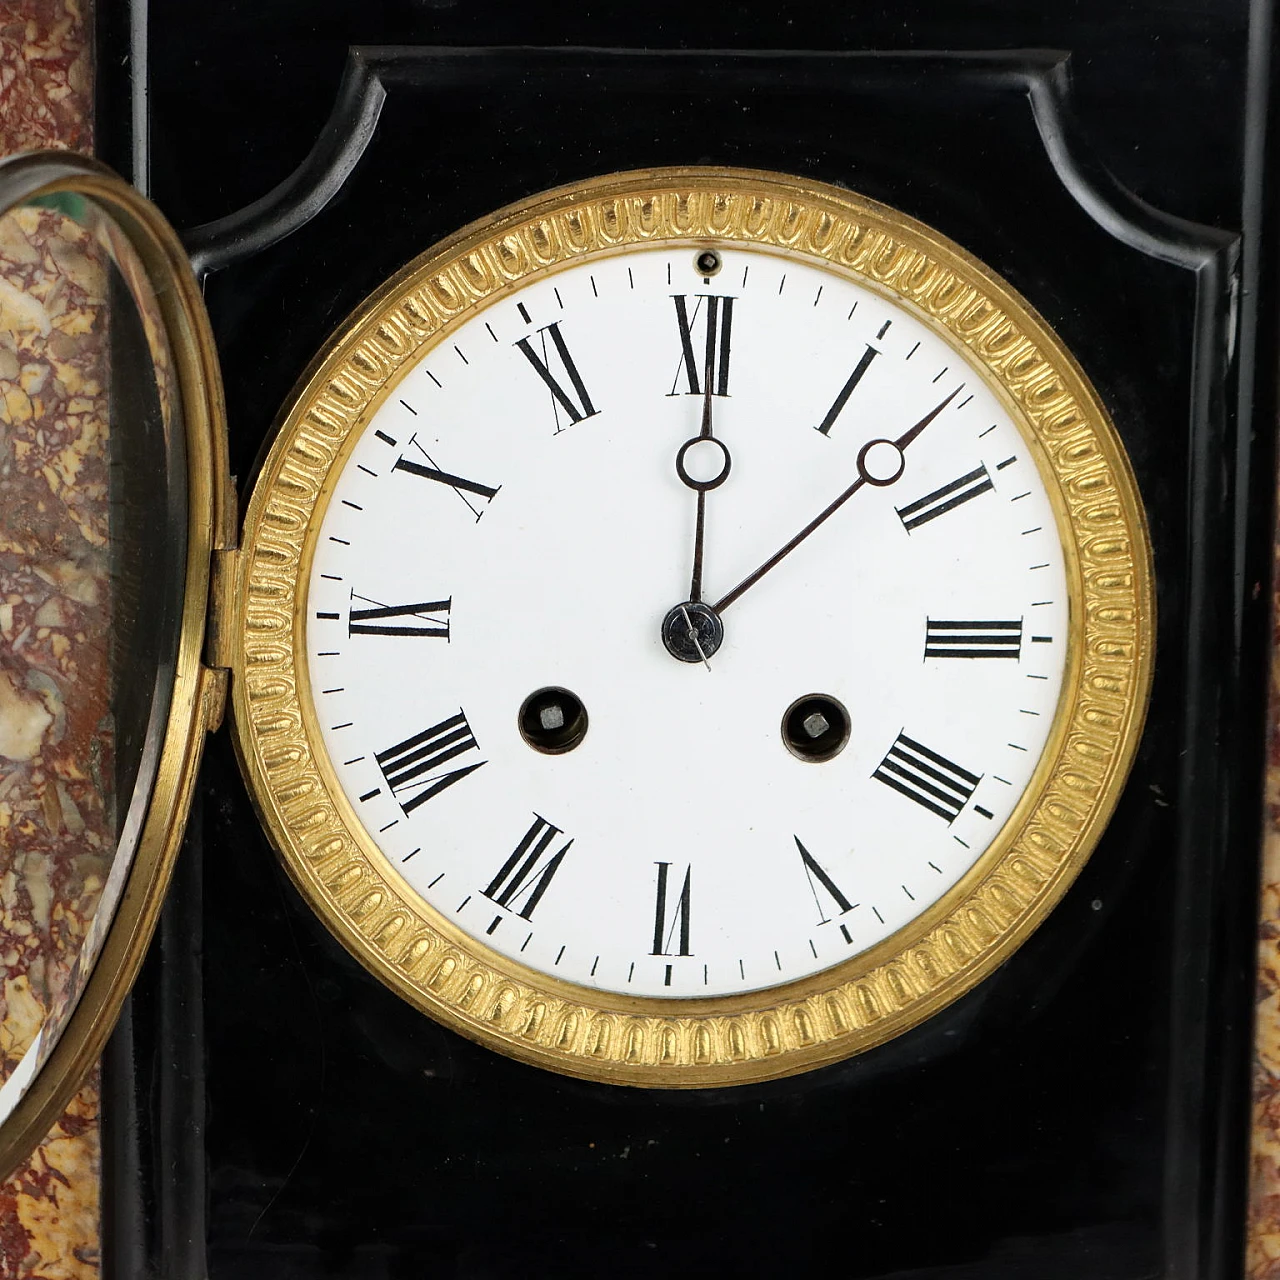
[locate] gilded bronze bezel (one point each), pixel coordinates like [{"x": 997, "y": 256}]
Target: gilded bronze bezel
[
  {"x": 885, "y": 990},
  {"x": 192, "y": 387}
]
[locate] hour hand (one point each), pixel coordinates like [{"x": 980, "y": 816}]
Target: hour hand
[
  {"x": 702, "y": 463},
  {"x": 691, "y": 630}
]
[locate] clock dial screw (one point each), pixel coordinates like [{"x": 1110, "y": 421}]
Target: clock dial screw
[
  {"x": 816, "y": 724},
  {"x": 553, "y": 720},
  {"x": 816, "y": 727},
  {"x": 707, "y": 263}
]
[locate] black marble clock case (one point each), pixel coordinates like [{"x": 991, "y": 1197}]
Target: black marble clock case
[{"x": 271, "y": 1111}]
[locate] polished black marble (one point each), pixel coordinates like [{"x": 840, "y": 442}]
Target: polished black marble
[{"x": 1082, "y": 1114}]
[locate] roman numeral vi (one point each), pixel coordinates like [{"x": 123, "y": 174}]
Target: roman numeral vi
[{"x": 671, "y": 915}]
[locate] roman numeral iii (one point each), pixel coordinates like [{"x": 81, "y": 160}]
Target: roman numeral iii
[
  {"x": 412, "y": 765},
  {"x": 716, "y": 314},
  {"x": 956, "y": 639},
  {"x": 931, "y": 780},
  {"x": 574, "y": 399},
  {"x": 422, "y": 619},
  {"x": 671, "y": 913},
  {"x": 524, "y": 877},
  {"x": 948, "y": 498}
]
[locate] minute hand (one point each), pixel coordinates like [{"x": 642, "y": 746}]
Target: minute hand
[{"x": 864, "y": 477}]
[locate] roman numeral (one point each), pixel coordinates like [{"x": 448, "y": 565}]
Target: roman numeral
[
  {"x": 521, "y": 876},
  {"x": 459, "y": 484},
  {"x": 671, "y": 915},
  {"x": 411, "y": 765},
  {"x": 416, "y": 619},
  {"x": 716, "y": 313},
  {"x": 948, "y": 498},
  {"x": 931, "y": 780},
  {"x": 818, "y": 878},
  {"x": 578, "y": 404},
  {"x": 947, "y": 639},
  {"x": 838, "y": 404}
]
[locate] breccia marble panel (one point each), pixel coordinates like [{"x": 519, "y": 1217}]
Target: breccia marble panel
[
  {"x": 1264, "y": 1182},
  {"x": 54, "y": 614}
]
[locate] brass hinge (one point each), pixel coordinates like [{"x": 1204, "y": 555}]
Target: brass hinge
[
  {"x": 219, "y": 630},
  {"x": 215, "y": 684},
  {"x": 222, "y": 603}
]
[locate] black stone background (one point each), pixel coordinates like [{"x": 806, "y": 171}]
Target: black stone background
[{"x": 273, "y": 1112}]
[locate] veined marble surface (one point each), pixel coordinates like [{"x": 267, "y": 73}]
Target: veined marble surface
[
  {"x": 1264, "y": 1189},
  {"x": 51, "y": 598}
]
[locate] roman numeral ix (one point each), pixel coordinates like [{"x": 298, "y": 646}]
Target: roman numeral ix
[
  {"x": 932, "y": 781},
  {"x": 577, "y": 404},
  {"x": 524, "y": 877},
  {"x": 716, "y": 313},
  {"x": 421, "y": 619},
  {"x": 948, "y": 498},
  {"x": 954, "y": 639},
  {"x": 411, "y": 765},
  {"x": 671, "y": 914}
]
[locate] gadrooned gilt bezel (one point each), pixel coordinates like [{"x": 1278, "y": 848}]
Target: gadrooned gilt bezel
[{"x": 873, "y": 996}]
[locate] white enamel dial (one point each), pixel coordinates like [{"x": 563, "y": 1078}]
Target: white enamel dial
[{"x": 511, "y": 520}]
